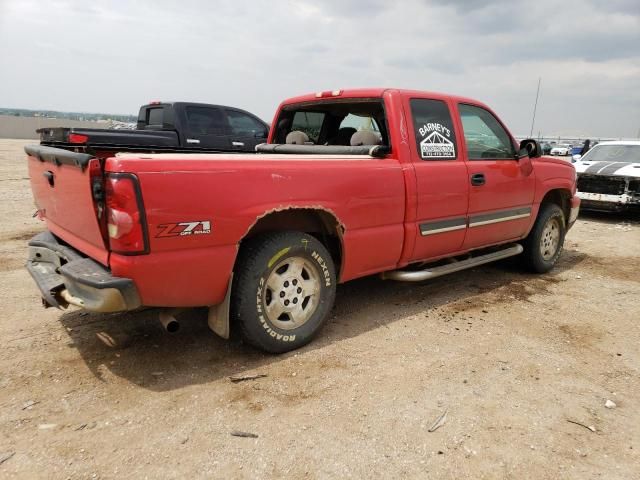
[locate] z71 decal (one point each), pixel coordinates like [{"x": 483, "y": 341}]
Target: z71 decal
[{"x": 184, "y": 228}]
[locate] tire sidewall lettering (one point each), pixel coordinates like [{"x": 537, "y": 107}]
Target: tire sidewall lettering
[
  {"x": 272, "y": 333},
  {"x": 323, "y": 268},
  {"x": 263, "y": 321}
]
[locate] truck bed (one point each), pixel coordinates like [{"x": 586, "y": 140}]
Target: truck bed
[{"x": 108, "y": 140}]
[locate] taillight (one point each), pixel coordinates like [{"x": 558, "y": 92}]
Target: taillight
[
  {"x": 126, "y": 225},
  {"x": 77, "y": 138}
]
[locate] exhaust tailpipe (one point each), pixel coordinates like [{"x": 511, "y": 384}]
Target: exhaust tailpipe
[{"x": 168, "y": 321}]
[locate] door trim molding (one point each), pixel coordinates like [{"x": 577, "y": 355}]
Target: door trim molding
[
  {"x": 496, "y": 217},
  {"x": 460, "y": 223},
  {"x": 441, "y": 226}
]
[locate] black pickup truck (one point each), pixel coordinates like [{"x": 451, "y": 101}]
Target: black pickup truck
[{"x": 168, "y": 127}]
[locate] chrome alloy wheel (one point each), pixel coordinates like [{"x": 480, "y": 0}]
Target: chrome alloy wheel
[
  {"x": 291, "y": 293},
  {"x": 550, "y": 239}
]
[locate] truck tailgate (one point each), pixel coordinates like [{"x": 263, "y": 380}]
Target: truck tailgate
[{"x": 61, "y": 182}]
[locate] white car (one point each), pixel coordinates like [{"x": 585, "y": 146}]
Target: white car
[
  {"x": 561, "y": 150},
  {"x": 609, "y": 176}
]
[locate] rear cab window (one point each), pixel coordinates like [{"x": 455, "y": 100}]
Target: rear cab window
[
  {"x": 335, "y": 122},
  {"x": 155, "y": 117},
  {"x": 433, "y": 129},
  {"x": 309, "y": 123}
]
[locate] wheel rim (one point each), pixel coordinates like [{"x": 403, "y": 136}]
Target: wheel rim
[
  {"x": 550, "y": 239},
  {"x": 291, "y": 293}
]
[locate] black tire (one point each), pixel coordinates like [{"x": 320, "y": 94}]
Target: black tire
[
  {"x": 278, "y": 268},
  {"x": 543, "y": 246}
]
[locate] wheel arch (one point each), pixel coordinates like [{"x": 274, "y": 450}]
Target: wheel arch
[
  {"x": 560, "y": 197},
  {"x": 321, "y": 223}
]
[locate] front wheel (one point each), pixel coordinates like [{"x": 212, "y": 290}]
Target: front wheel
[
  {"x": 283, "y": 289},
  {"x": 543, "y": 246}
]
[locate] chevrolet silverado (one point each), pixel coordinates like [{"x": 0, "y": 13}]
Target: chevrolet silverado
[{"x": 407, "y": 184}]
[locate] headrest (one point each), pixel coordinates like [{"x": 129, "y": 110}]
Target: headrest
[
  {"x": 297, "y": 138},
  {"x": 365, "y": 137}
]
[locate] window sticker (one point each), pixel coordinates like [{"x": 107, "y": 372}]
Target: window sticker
[
  {"x": 434, "y": 133},
  {"x": 436, "y": 141}
]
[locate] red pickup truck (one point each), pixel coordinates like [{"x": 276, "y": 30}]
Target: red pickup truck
[{"x": 408, "y": 184}]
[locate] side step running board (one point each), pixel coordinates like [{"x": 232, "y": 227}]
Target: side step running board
[{"x": 420, "y": 275}]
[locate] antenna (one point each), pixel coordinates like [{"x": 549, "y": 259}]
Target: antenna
[{"x": 535, "y": 106}]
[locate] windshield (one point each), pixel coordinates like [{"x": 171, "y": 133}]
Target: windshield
[{"x": 613, "y": 153}]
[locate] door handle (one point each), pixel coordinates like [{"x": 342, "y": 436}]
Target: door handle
[
  {"x": 477, "y": 179},
  {"x": 237, "y": 144}
]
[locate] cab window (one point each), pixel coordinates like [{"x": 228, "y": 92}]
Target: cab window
[
  {"x": 244, "y": 125},
  {"x": 309, "y": 123},
  {"x": 484, "y": 136},
  {"x": 206, "y": 121},
  {"x": 433, "y": 129}
]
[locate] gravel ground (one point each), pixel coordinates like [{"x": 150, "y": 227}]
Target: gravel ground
[{"x": 513, "y": 359}]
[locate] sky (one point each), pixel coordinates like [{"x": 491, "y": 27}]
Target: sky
[{"x": 113, "y": 56}]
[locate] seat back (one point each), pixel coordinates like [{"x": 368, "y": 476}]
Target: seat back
[
  {"x": 297, "y": 137},
  {"x": 365, "y": 137}
]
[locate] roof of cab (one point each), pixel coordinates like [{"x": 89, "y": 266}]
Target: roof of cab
[{"x": 375, "y": 93}]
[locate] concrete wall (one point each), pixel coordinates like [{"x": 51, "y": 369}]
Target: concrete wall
[{"x": 25, "y": 127}]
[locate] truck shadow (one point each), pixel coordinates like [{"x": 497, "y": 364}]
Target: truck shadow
[
  {"x": 630, "y": 217},
  {"x": 133, "y": 346}
]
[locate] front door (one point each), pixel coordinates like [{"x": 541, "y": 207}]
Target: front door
[
  {"x": 246, "y": 131},
  {"x": 441, "y": 180},
  {"x": 501, "y": 188}
]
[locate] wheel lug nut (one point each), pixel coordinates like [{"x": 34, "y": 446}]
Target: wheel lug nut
[
  {"x": 295, "y": 300},
  {"x": 299, "y": 290},
  {"x": 282, "y": 294},
  {"x": 295, "y": 282},
  {"x": 286, "y": 284},
  {"x": 286, "y": 302}
]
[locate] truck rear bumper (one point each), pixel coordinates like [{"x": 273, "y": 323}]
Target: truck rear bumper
[{"x": 66, "y": 277}]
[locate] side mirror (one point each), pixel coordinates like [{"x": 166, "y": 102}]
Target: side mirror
[
  {"x": 575, "y": 158},
  {"x": 529, "y": 148}
]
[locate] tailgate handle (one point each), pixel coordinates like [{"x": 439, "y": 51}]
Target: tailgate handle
[{"x": 49, "y": 176}]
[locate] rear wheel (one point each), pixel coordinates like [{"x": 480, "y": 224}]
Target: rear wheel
[
  {"x": 543, "y": 246},
  {"x": 283, "y": 290}
]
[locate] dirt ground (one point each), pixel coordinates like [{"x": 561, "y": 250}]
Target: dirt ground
[{"x": 511, "y": 358}]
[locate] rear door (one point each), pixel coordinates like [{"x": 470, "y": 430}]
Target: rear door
[
  {"x": 501, "y": 188},
  {"x": 246, "y": 130},
  {"x": 441, "y": 176},
  {"x": 207, "y": 127},
  {"x": 61, "y": 182}
]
